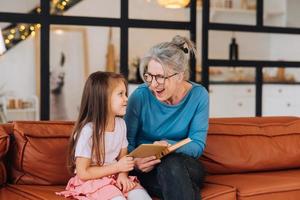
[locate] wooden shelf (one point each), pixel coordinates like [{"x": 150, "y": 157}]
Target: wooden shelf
[{"x": 22, "y": 110}]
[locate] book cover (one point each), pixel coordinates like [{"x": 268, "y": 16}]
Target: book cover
[{"x": 146, "y": 150}]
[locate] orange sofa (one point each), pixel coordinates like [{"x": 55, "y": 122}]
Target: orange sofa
[{"x": 246, "y": 158}]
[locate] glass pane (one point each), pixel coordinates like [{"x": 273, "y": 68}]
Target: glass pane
[
  {"x": 244, "y": 46},
  {"x": 232, "y": 100},
  {"x": 281, "y": 75},
  {"x": 138, "y": 45},
  {"x": 281, "y": 13},
  {"x": 158, "y": 10},
  {"x": 232, "y": 74},
  {"x": 285, "y": 47},
  {"x": 20, "y": 70},
  {"x": 20, "y": 6},
  {"x": 281, "y": 100},
  {"x": 292, "y": 13},
  {"x": 86, "y": 8},
  {"x": 233, "y": 11},
  {"x": 75, "y": 52}
]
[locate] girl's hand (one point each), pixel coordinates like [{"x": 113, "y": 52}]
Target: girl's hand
[
  {"x": 124, "y": 183},
  {"x": 146, "y": 164},
  {"x": 125, "y": 164}
]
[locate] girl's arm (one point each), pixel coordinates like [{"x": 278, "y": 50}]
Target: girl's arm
[
  {"x": 87, "y": 172},
  {"x": 123, "y": 153}
]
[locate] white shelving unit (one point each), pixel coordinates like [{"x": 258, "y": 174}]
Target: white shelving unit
[{"x": 31, "y": 113}]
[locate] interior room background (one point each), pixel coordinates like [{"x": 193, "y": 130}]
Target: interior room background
[{"x": 75, "y": 51}]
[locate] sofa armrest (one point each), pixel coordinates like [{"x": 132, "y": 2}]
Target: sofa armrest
[
  {"x": 5, "y": 130},
  {"x": 3, "y": 174}
]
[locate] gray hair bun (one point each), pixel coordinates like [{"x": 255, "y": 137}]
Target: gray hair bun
[{"x": 185, "y": 44}]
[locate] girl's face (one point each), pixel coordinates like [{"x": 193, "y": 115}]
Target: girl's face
[
  {"x": 163, "y": 85},
  {"x": 119, "y": 100}
]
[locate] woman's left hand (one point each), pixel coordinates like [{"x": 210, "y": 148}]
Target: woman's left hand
[{"x": 124, "y": 183}]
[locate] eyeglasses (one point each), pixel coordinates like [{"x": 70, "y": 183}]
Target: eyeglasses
[{"x": 160, "y": 79}]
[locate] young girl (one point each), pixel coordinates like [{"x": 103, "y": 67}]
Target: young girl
[{"x": 98, "y": 144}]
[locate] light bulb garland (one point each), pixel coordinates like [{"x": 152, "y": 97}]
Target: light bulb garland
[{"x": 15, "y": 33}]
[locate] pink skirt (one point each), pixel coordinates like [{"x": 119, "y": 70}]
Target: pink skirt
[{"x": 104, "y": 188}]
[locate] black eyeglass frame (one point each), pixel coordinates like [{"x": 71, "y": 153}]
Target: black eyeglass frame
[{"x": 155, "y": 77}]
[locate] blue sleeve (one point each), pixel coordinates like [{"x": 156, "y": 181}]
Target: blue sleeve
[
  {"x": 198, "y": 129},
  {"x": 132, "y": 118}
]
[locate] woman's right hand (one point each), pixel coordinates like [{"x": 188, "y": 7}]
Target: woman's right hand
[
  {"x": 146, "y": 164},
  {"x": 125, "y": 164}
]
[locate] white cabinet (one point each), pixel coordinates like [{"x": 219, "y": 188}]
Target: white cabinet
[
  {"x": 232, "y": 100},
  {"x": 281, "y": 100}
]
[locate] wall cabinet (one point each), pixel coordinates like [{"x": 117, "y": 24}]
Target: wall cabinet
[
  {"x": 281, "y": 100},
  {"x": 232, "y": 100}
]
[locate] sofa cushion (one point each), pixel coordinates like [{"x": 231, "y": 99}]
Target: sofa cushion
[
  {"x": 237, "y": 145},
  {"x": 31, "y": 192},
  {"x": 40, "y": 153},
  {"x": 218, "y": 192},
  {"x": 34, "y": 192},
  {"x": 5, "y": 130},
  {"x": 3, "y": 174},
  {"x": 262, "y": 185}
]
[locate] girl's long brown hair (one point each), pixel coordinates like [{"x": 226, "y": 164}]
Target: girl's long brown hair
[{"x": 95, "y": 108}]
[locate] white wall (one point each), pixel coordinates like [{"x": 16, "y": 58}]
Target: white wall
[
  {"x": 17, "y": 69},
  {"x": 18, "y": 6}
]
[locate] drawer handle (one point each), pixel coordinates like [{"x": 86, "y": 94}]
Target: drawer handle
[
  {"x": 240, "y": 104},
  {"x": 288, "y": 104}
]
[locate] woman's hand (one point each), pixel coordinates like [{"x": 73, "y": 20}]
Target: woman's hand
[
  {"x": 146, "y": 164},
  {"x": 125, "y": 164},
  {"x": 124, "y": 183}
]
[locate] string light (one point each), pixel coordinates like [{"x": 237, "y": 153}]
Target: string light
[
  {"x": 10, "y": 36},
  {"x": 18, "y": 32},
  {"x": 22, "y": 28}
]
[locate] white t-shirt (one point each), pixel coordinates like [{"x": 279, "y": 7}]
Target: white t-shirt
[{"x": 114, "y": 142}]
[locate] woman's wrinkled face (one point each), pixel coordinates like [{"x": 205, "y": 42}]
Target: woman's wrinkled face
[{"x": 163, "y": 84}]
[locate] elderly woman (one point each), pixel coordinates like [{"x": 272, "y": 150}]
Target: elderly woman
[{"x": 165, "y": 110}]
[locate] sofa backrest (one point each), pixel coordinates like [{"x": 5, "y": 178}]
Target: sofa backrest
[
  {"x": 5, "y": 130},
  {"x": 39, "y": 153},
  {"x": 236, "y": 145}
]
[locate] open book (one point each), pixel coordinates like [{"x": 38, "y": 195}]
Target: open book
[{"x": 145, "y": 150}]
